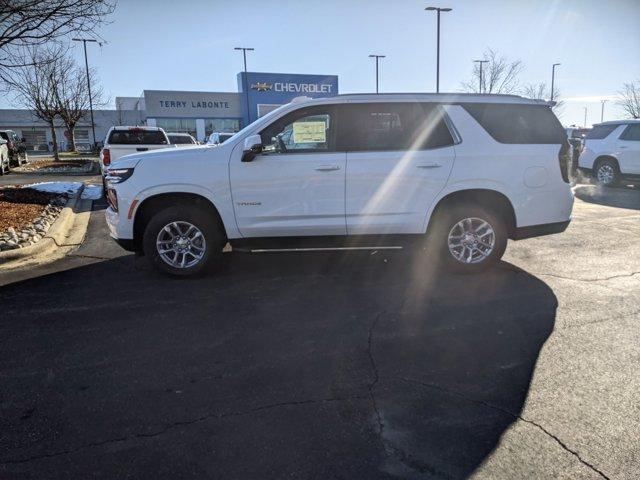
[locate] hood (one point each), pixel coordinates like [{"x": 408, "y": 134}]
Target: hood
[{"x": 177, "y": 154}]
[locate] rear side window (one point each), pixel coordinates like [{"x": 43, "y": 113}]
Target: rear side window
[
  {"x": 137, "y": 137},
  {"x": 181, "y": 139},
  {"x": 631, "y": 133},
  {"x": 601, "y": 131},
  {"x": 391, "y": 127},
  {"x": 514, "y": 123}
]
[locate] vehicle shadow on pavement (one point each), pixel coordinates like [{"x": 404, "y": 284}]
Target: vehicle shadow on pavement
[
  {"x": 305, "y": 365},
  {"x": 620, "y": 197}
]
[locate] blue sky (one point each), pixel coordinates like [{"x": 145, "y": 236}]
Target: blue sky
[{"x": 160, "y": 44}]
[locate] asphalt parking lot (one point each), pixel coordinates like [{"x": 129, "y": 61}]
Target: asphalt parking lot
[{"x": 353, "y": 365}]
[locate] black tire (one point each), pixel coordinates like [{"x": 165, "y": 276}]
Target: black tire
[
  {"x": 607, "y": 173},
  {"x": 214, "y": 239},
  {"x": 444, "y": 223}
]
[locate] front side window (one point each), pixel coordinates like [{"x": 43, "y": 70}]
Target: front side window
[
  {"x": 631, "y": 133},
  {"x": 392, "y": 127},
  {"x": 305, "y": 130}
]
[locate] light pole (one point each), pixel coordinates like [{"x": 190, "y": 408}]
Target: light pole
[
  {"x": 438, "y": 10},
  {"x": 602, "y": 111},
  {"x": 553, "y": 77},
  {"x": 246, "y": 85},
  {"x": 377, "y": 57},
  {"x": 480, "y": 62},
  {"x": 585, "y": 117},
  {"x": 86, "y": 64}
]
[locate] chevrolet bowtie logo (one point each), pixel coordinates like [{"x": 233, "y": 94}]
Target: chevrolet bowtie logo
[{"x": 261, "y": 87}]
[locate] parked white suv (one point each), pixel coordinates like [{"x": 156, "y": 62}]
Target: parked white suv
[
  {"x": 458, "y": 173},
  {"x": 612, "y": 152}
]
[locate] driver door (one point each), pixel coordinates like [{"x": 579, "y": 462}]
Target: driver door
[{"x": 296, "y": 186}]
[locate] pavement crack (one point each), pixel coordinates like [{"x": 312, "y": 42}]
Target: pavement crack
[
  {"x": 376, "y": 376},
  {"x": 183, "y": 423},
  {"x": 588, "y": 280},
  {"x": 510, "y": 413}
]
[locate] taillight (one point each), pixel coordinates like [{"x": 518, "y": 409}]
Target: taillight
[
  {"x": 564, "y": 157},
  {"x": 106, "y": 156}
]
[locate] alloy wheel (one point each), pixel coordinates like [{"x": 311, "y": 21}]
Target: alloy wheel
[
  {"x": 471, "y": 240},
  {"x": 181, "y": 244},
  {"x": 606, "y": 174}
]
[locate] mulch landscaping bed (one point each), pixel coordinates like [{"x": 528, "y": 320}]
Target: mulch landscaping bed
[
  {"x": 26, "y": 215},
  {"x": 82, "y": 165}
]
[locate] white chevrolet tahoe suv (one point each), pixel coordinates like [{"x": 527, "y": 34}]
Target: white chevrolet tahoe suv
[
  {"x": 458, "y": 174},
  {"x": 612, "y": 152}
]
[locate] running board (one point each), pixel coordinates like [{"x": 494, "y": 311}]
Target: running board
[{"x": 311, "y": 249}]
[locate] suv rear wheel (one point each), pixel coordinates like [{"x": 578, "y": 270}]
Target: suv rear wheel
[
  {"x": 183, "y": 241},
  {"x": 607, "y": 173},
  {"x": 468, "y": 238}
]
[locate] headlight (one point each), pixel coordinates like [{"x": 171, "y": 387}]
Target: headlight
[{"x": 118, "y": 175}]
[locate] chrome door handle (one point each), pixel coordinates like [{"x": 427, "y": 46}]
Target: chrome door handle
[
  {"x": 430, "y": 165},
  {"x": 327, "y": 168}
]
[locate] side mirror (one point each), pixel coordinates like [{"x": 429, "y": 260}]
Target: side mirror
[{"x": 252, "y": 147}]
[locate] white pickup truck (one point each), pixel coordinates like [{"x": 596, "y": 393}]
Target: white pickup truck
[{"x": 123, "y": 141}]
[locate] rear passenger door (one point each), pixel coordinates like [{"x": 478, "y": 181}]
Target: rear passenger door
[
  {"x": 629, "y": 149},
  {"x": 399, "y": 157}
]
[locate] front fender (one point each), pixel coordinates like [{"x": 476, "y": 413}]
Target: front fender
[{"x": 220, "y": 200}]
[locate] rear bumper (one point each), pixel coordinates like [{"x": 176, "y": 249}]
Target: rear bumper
[{"x": 540, "y": 230}]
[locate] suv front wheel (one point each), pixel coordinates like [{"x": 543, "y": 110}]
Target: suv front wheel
[
  {"x": 607, "y": 173},
  {"x": 468, "y": 238},
  {"x": 183, "y": 241}
]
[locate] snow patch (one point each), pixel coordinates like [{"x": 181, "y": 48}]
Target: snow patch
[
  {"x": 92, "y": 192},
  {"x": 55, "y": 187}
]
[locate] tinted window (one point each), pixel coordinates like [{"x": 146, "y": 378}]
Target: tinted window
[
  {"x": 305, "y": 130},
  {"x": 4, "y": 135},
  {"x": 601, "y": 131},
  {"x": 180, "y": 139},
  {"x": 391, "y": 126},
  {"x": 518, "y": 123},
  {"x": 137, "y": 136},
  {"x": 632, "y": 133},
  {"x": 224, "y": 137}
]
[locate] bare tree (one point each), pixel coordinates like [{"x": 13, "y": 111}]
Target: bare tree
[
  {"x": 499, "y": 75},
  {"x": 540, "y": 91},
  {"x": 630, "y": 98},
  {"x": 72, "y": 94},
  {"x": 34, "y": 87},
  {"x": 25, "y": 24}
]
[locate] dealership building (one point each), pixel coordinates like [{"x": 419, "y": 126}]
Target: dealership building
[{"x": 197, "y": 113}]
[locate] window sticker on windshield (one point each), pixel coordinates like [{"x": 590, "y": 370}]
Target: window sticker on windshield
[{"x": 309, "y": 132}]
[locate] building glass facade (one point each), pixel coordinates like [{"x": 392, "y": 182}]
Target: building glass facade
[
  {"x": 230, "y": 125},
  {"x": 178, "y": 125}
]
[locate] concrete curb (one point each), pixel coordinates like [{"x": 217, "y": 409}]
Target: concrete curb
[{"x": 55, "y": 237}]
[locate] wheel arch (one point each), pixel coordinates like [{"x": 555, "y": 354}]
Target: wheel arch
[
  {"x": 493, "y": 199},
  {"x": 601, "y": 158},
  {"x": 154, "y": 203}
]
